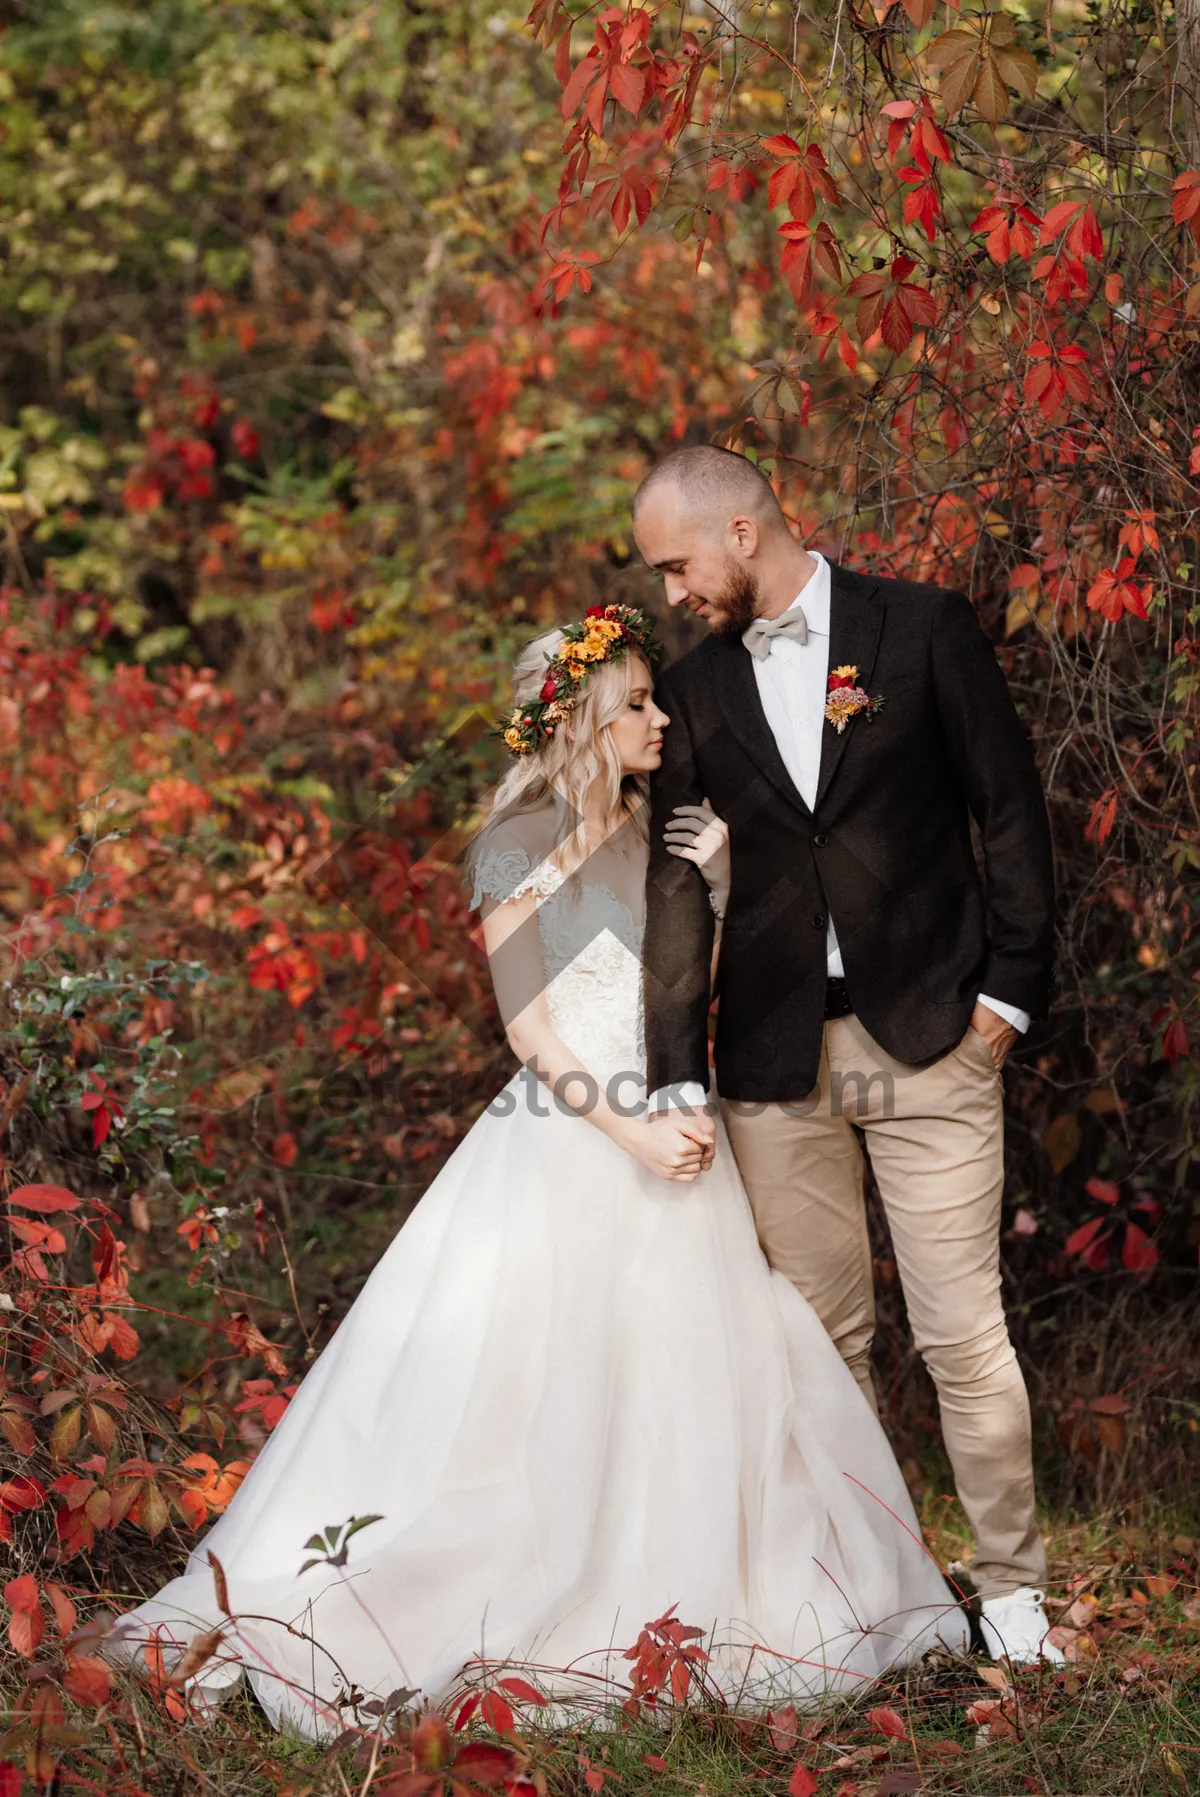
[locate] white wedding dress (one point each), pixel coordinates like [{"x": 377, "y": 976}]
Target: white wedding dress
[{"x": 577, "y": 1396}]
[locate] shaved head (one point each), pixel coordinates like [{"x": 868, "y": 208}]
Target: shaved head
[
  {"x": 713, "y": 484},
  {"x": 708, "y": 521}
]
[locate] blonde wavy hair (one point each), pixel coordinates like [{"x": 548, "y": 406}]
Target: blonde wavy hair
[{"x": 580, "y": 755}]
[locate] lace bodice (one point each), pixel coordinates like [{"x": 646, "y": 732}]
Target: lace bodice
[{"x": 591, "y": 946}]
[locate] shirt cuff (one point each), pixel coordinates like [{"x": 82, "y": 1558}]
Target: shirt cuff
[
  {"x": 687, "y": 1094},
  {"x": 1010, "y": 1013}
]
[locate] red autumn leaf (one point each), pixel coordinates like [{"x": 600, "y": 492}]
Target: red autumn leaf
[
  {"x": 284, "y": 1149},
  {"x": 196, "y": 454},
  {"x": 469, "y": 1705},
  {"x": 1104, "y": 1191},
  {"x": 802, "y": 1783},
  {"x": 655, "y": 1763},
  {"x": 1090, "y": 1242},
  {"x": 1080, "y": 1238},
  {"x": 1057, "y": 217},
  {"x": 783, "y": 1726},
  {"x": 23, "y": 1492},
  {"x": 522, "y": 1691},
  {"x": 496, "y": 1713},
  {"x": 245, "y": 439},
  {"x": 1104, "y": 816},
  {"x": 887, "y": 1722},
  {"x": 143, "y": 493},
  {"x": 782, "y": 145},
  {"x": 1084, "y": 238},
  {"x": 895, "y": 326},
  {"x": 1175, "y": 1041},
  {"x": 581, "y": 78},
  {"x": 11, "y": 1779},
  {"x": 1114, "y": 593},
  {"x": 1138, "y": 1253},
  {"x": 88, "y": 1680},
  {"x": 44, "y": 1198},
  {"x": 1185, "y": 207},
  {"x": 628, "y": 85},
  {"x": 481, "y": 1763}
]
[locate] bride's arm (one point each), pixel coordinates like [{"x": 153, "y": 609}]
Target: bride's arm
[{"x": 510, "y": 933}]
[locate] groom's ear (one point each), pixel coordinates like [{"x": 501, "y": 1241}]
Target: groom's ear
[{"x": 742, "y": 533}]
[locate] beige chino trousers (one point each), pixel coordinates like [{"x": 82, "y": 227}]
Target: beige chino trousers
[{"x": 935, "y": 1137}]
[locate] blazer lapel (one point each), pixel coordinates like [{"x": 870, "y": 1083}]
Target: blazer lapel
[
  {"x": 855, "y": 621},
  {"x": 737, "y": 691}
]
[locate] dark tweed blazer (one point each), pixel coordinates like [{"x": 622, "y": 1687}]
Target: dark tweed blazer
[{"x": 886, "y": 850}]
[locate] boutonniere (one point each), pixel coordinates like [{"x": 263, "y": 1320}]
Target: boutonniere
[{"x": 846, "y": 698}]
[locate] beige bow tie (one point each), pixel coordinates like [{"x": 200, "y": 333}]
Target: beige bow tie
[{"x": 759, "y": 636}]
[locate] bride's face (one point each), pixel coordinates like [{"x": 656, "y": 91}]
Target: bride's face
[{"x": 637, "y": 734}]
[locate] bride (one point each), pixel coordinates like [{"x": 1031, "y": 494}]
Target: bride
[{"x": 572, "y": 1394}]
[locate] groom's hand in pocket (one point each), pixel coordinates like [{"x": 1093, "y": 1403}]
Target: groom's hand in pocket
[{"x": 998, "y": 1034}]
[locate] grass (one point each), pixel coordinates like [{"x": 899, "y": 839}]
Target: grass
[{"x": 1121, "y": 1720}]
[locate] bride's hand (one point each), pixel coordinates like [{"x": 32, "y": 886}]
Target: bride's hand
[
  {"x": 663, "y": 1148},
  {"x": 697, "y": 834}
]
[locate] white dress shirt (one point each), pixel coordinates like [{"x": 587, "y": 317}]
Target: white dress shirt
[{"x": 792, "y": 684}]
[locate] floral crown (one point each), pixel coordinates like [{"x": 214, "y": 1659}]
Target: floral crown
[{"x": 604, "y": 633}]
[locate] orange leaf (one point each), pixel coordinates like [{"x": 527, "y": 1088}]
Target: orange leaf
[
  {"x": 64, "y": 1610},
  {"x": 21, "y": 1594},
  {"x": 25, "y": 1630}
]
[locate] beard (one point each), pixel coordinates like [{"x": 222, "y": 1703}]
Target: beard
[{"x": 736, "y": 604}]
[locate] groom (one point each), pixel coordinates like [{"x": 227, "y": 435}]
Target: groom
[{"x": 870, "y": 982}]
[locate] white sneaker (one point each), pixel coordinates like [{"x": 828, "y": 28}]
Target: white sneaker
[{"x": 1014, "y": 1628}]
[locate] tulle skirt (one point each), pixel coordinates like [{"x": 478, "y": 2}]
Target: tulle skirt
[{"x": 576, "y": 1397}]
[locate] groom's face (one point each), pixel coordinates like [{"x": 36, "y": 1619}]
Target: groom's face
[{"x": 700, "y": 570}]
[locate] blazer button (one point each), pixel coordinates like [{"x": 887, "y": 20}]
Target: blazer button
[
  {"x": 818, "y": 923},
  {"x": 820, "y": 841}
]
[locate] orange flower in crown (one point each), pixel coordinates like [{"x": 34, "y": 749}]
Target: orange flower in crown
[{"x": 604, "y": 633}]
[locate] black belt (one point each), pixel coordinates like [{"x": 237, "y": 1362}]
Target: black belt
[{"x": 837, "y": 998}]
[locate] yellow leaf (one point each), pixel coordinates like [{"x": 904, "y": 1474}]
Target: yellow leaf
[
  {"x": 1020, "y": 612},
  {"x": 153, "y": 1513},
  {"x": 65, "y": 1432}
]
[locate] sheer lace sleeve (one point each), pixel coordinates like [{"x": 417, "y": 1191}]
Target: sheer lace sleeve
[{"x": 506, "y": 869}]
